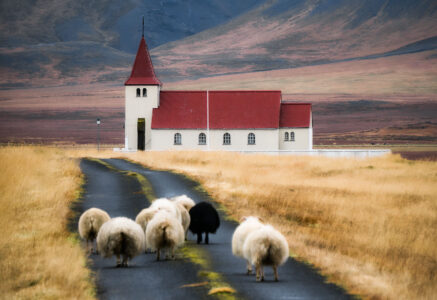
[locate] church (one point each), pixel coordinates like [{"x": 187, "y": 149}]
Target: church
[{"x": 256, "y": 120}]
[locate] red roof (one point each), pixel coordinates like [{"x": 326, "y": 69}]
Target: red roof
[
  {"x": 142, "y": 71},
  {"x": 182, "y": 110},
  {"x": 227, "y": 110},
  {"x": 244, "y": 109},
  {"x": 295, "y": 115}
]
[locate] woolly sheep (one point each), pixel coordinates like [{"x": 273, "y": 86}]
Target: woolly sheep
[
  {"x": 89, "y": 224},
  {"x": 185, "y": 216},
  {"x": 164, "y": 232},
  {"x": 204, "y": 219},
  {"x": 186, "y": 201},
  {"x": 167, "y": 205},
  {"x": 265, "y": 247},
  {"x": 120, "y": 237},
  {"x": 248, "y": 225},
  {"x": 144, "y": 217}
]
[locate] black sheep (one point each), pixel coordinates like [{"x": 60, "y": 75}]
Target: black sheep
[{"x": 204, "y": 218}]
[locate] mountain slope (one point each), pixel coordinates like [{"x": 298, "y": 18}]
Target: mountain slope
[
  {"x": 292, "y": 33},
  {"x": 46, "y": 41},
  {"x": 73, "y": 42}
]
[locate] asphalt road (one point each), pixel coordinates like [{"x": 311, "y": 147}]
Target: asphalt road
[{"x": 120, "y": 195}]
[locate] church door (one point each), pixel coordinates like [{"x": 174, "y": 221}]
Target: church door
[{"x": 141, "y": 134}]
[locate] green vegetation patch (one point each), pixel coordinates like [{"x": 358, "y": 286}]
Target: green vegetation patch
[
  {"x": 218, "y": 287},
  {"x": 146, "y": 186}
]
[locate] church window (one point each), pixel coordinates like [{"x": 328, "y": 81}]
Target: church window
[
  {"x": 286, "y": 137},
  {"x": 226, "y": 139},
  {"x": 251, "y": 139},
  {"x": 292, "y": 136},
  {"x": 202, "y": 139},
  {"x": 177, "y": 139},
  {"x": 138, "y": 92},
  {"x": 144, "y": 92}
]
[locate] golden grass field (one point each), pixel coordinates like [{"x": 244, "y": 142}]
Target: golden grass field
[
  {"x": 39, "y": 258},
  {"x": 370, "y": 225}
]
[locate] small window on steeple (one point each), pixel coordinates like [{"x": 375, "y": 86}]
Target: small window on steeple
[
  {"x": 138, "y": 92},
  {"x": 144, "y": 92}
]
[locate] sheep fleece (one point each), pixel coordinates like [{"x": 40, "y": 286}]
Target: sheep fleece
[
  {"x": 91, "y": 221},
  {"x": 266, "y": 246},
  {"x": 164, "y": 231},
  {"x": 241, "y": 232},
  {"x": 120, "y": 236}
]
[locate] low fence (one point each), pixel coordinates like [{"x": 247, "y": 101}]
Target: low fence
[{"x": 355, "y": 153}]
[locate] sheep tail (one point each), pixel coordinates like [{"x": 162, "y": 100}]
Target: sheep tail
[
  {"x": 164, "y": 232},
  {"x": 123, "y": 242},
  {"x": 266, "y": 257}
]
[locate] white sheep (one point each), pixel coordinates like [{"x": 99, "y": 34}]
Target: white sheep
[
  {"x": 248, "y": 225},
  {"x": 164, "y": 204},
  {"x": 186, "y": 201},
  {"x": 89, "y": 224},
  {"x": 120, "y": 237},
  {"x": 185, "y": 217},
  {"x": 265, "y": 247},
  {"x": 164, "y": 232},
  {"x": 143, "y": 218}
]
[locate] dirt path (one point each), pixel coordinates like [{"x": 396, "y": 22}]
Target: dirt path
[{"x": 111, "y": 188}]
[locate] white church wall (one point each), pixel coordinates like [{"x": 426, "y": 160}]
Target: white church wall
[
  {"x": 265, "y": 140},
  {"x": 139, "y": 107},
  {"x": 302, "y": 139}
]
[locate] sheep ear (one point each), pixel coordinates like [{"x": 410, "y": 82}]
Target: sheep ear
[
  {"x": 242, "y": 219},
  {"x": 261, "y": 219}
]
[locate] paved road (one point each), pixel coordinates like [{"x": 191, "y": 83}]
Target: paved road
[{"x": 120, "y": 195}]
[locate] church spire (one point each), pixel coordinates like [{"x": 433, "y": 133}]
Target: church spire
[{"x": 142, "y": 70}]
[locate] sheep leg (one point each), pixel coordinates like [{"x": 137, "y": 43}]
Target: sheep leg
[
  {"x": 262, "y": 273},
  {"x": 206, "y": 238},
  {"x": 258, "y": 272},
  {"x": 172, "y": 254},
  {"x": 124, "y": 263},
  {"x": 275, "y": 271},
  {"x": 118, "y": 261},
  {"x": 199, "y": 238},
  {"x": 157, "y": 254},
  {"x": 249, "y": 268}
]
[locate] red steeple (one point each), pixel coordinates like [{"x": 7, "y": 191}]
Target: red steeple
[{"x": 142, "y": 71}]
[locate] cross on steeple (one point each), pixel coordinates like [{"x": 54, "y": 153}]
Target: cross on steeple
[{"x": 143, "y": 27}]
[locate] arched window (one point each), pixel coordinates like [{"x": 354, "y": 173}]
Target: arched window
[
  {"x": 226, "y": 139},
  {"x": 292, "y": 136},
  {"x": 202, "y": 139},
  {"x": 251, "y": 139},
  {"x": 144, "y": 92},
  {"x": 286, "y": 137},
  {"x": 177, "y": 139},
  {"x": 138, "y": 92}
]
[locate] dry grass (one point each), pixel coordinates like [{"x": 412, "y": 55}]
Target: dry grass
[
  {"x": 371, "y": 224},
  {"x": 39, "y": 258}
]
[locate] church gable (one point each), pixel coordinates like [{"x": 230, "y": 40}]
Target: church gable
[{"x": 295, "y": 115}]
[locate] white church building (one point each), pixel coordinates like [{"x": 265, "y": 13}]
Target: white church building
[{"x": 209, "y": 120}]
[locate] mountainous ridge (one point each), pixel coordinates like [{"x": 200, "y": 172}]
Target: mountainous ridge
[{"x": 48, "y": 43}]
